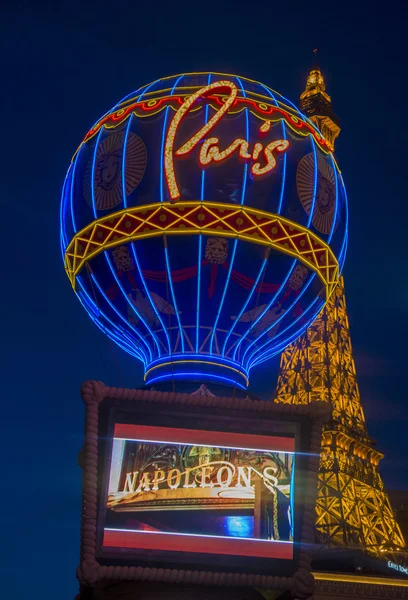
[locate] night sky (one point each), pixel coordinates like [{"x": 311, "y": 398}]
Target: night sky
[{"x": 65, "y": 64}]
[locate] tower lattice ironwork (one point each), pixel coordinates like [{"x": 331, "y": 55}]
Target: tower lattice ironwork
[{"x": 352, "y": 507}]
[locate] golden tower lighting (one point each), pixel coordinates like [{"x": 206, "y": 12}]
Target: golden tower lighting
[{"x": 352, "y": 507}]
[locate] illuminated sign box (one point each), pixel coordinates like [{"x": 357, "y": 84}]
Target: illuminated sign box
[
  {"x": 192, "y": 483},
  {"x": 222, "y": 492}
]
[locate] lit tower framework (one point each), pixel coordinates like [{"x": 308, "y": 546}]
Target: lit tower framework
[
  {"x": 316, "y": 103},
  {"x": 352, "y": 507}
]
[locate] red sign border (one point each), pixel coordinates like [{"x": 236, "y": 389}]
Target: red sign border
[{"x": 197, "y": 437}]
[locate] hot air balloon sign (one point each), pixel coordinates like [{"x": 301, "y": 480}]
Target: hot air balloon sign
[{"x": 203, "y": 226}]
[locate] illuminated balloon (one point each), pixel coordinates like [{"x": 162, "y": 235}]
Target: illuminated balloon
[{"x": 203, "y": 225}]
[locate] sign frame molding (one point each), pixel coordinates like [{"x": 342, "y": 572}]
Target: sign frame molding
[{"x": 93, "y": 570}]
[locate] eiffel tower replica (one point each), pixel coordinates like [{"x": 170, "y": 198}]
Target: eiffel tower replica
[{"x": 352, "y": 507}]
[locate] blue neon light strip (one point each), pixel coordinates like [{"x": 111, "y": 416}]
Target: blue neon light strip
[
  {"x": 314, "y": 183},
  {"x": 283, "y": 101},
  {"x": 278, "y": 320},
  {"x": 164, "y": 131},
  {"x": 166, "y": 254},
  {"x": 283, "y": 171},
  {"x": 186, "y": 361},
  {"x": 277, "y": 294},
  {"x": 200, "y": 376},
  {"x": 130, "y": 303},
  {"x": 235, "y": 241},
  {"x": 137, "y": 352},
  {"x": 205, "y": 122},
  {"x": 268, "y": 91},
  {"x": 132, "y": 244},
  {"x": 333, "y": 226},
  {"x": 343, "y": 250},
  {"x": 125, "y": 141},
  {"x": 169, "y": 277},
  {"x": 288, "y": 327},
  {"x": 342, "y": 256},
  {"x": 200, "y": 249},
  {"x": 63, "y": 210},
  {"x": 72, "y": 188},
  {"x": 200, "y": 243},
  {"x": 198, "y": 535},
  {"x": 113, "y": 307},
  {"x": 279, "y": 211},
  {"x": 299, "y": 112},
  {"x": 118, "y": 340},
  {"x": 313, "y": 276},
  {"x": 279, "y": 347},
  {"x": 139, "y": 93},
  {"x": 251, "y": 293},
  {"x": 248, "y": 331},
  {"x": 292, "y": 498},
  {"x": 144, "y": 89},
  {"x": 90, "y": 304},
  {"x": 140, "y": 273},
  {"x": 310, "y": 280},
  {"x": 176, "y": 442},
  {"x": 95, "y": 212},
  {"x": 125, "y": 146},
  {"x": 106, "y": 255},
  {"x": 122, "y": 332},
  {"x": 314, "y": 308},
  {"x": 190, "y": 356},
  {"x": 223, "y": 296},
  {"x": 247, "y": 137},
  {"x": 115, "y": 107}
]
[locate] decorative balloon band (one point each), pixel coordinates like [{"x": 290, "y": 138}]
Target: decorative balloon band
[
  {"x": 210, "y": 368},
  {"x": 208, "y": 218},
  {"x": 261, "y": 107}
]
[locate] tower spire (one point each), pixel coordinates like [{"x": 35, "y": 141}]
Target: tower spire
[
  {"x": 316, "y": 103},
  {"x": 352, "y": 507}
]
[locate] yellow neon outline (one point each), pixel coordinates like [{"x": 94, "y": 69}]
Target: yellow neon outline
[
  {"x": 76, "y": 258},
  {"x": 249, "y": 93},
  {"x": 328, "y": 150},
  {"x": 319, "y": 137},
  {"x": 345, "y": 577},
  {"x": 192, "y": 142},
  {"x": 207, "y": 73},
  {"x": 207, "y": 362}
]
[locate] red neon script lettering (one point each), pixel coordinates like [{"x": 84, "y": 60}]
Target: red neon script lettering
[{"x": 210, "y": 151}]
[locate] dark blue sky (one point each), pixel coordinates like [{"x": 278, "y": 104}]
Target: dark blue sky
[{"x": 62, "y": 66}]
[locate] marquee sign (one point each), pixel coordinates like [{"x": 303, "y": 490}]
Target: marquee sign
[
  {"x": 177, "y": 484},
  {"x": 184, "y": 484}
]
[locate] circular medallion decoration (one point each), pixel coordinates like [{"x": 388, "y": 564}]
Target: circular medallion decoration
[
  {"x": 108, "y": 170},
  {"x": 325, "y": 202}
]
